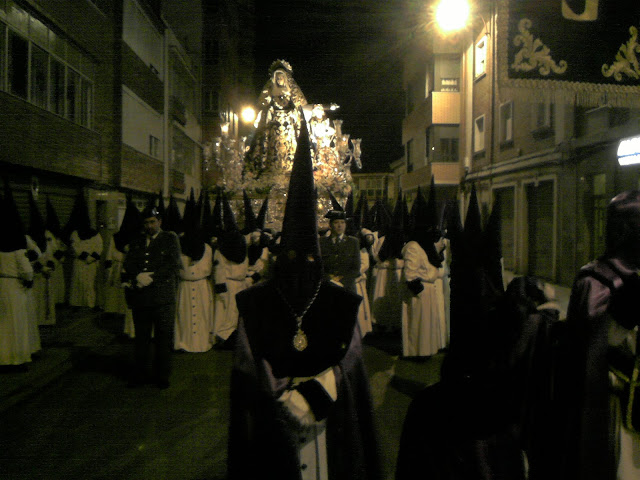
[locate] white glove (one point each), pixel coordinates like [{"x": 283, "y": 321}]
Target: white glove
[
  {"x": 144, "y": 279},
  {"x": 298, "y": 407}
]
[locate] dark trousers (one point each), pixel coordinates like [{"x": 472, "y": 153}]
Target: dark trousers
[{"x": 161, "y": 319}]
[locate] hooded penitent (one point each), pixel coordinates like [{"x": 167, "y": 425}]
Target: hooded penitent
[
  {"x": 380, "y": 218},
  {"x": 473, "y": 297},
  {"x": 13, "y": 235},
  {"x": 191, "y": 241},
  {"x": 172, "y": 221},
  {"x": 79, "y": 220},
  {"x": 395, "y": 236},
  {"x": 424, "y": 229},
  {"x": 130, "y": 227},
  {"x": 206, "y": 219},
  {"x": 36, "y": 225},
  {"x": 250, "y": 221},
  {"x": 217, "y": 221},
  {"x": 232, "y": 243}
]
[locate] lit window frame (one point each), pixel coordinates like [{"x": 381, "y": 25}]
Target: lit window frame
[
  {"x": 479, "y": 134},
  {"x": 480, "y": 58}
]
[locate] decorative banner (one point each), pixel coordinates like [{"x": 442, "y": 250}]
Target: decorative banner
[{"x": 583, "y": 51}]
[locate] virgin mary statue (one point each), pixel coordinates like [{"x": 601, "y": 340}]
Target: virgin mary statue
[{"x": 278, "y": 122}]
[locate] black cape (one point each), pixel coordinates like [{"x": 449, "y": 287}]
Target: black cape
[{"x": 261, "y": 442}]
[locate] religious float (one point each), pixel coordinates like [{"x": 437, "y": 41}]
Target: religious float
[{"x": 261, "y": 165}]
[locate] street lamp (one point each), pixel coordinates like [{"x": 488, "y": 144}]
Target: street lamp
[
  {"x": 248, "y": 114},
  {"x": 452, "y": 15}
]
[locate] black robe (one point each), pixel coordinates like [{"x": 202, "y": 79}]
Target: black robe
[
  {"x": 262, "y": 443},
  {"x": 589, "y": 429}
]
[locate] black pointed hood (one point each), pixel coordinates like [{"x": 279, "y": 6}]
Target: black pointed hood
[
  {"x": 406, "y": 220},
  {"x": 207, "y": 217},
  {"x": 493, "y": 249},
  {"x": 298, "y": 268},
  {"x": 13, "y": 236},
  {"x": 36, "y": 224},
  {"x": 53, "y": 222},
  {"x": 432, "y": 217},
  {"x": 262, "y": 214},
  {"x": 172, "y": 219},
  {"x": 191, "y": 240},
  {"x": 382, "y": 219},
  {"x": 232, "y": 243},
  {"x": 423, "y": 229},
  {"x": 130, "y": 227},
  {"x": 395, "y": 237},
  {"x": 250, "y": 221},
  {"x": 473, "y": 229},
  {"x": 79, "y": 220},
  {"x": 216, "y": 216},
  {"x": 299, "y": 227}
]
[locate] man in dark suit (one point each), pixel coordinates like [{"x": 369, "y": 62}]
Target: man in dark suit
[
  {"x": 340, "y": 252},
  {"x": 150, "y": 274}
]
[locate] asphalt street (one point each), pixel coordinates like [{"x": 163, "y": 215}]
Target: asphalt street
[{"x": 71, "y": 416}]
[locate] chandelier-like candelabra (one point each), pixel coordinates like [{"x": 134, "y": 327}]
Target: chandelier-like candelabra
[{"x": 333, "y": 153}]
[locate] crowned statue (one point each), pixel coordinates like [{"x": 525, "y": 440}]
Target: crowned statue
[
  {"x": 267, "y": 162},
  {"x": 278, "y": 122}
]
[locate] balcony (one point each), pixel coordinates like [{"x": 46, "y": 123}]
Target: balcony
[{"x": 438, "y": 108}]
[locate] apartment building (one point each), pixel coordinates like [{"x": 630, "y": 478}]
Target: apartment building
[
  {"x": 545, "y": 153},
  {"x": 103, "y": 96}
]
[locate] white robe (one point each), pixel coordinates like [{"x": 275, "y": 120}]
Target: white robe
[
  {"x": 15, "y": 344},
  {"x": 423, "y": 318},
  {"x": 42, "y": 300},
  {"x": 194, "y": 312},
  {"x": 226, "y": 311},
  {"x": 83, "y": 281},
  {"x": 386, "y": 302},
  {"x": 114, "y": 299},
  {"x": 36, "y": 301},
  {"x": 364, "y": 312}
]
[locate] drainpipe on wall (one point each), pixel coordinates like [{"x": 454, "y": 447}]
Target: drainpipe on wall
[{"x": 166, "y": 117}]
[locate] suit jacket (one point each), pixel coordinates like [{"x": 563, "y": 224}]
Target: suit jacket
[
  {"x": 162, "y": 257},
  {"x": 341, "y": 258}
]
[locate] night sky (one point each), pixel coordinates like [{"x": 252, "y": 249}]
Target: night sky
[{"x": 345, "y": 52}]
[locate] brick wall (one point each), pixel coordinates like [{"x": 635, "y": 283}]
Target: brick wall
[
  {"x": 33, "y": 137},
  {"x": 140, "y": 171}
]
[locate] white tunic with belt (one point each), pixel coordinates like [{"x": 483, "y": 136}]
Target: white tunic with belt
[
  {"x": 83, "y": 281},
  {"x": 194, "y": 312},
  {"x": 386, "y": 304},
  {"x": 364, "y": 312},
  {"x": 423, "y": 318},
  {"x": 225, "y": 310},
  {"x": 15, "y": 344}
]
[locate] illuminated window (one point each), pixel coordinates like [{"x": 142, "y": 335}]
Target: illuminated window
[
  {"x": 506, "y": 123},
  {"x": 478, "y": 134}
]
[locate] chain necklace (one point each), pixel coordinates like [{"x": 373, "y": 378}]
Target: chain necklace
[{"x": 300, "y": 341}]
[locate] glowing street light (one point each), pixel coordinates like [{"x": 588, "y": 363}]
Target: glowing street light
[
  {"x": 452, "y": 15},
  {"x": 248, "y": 115}
]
